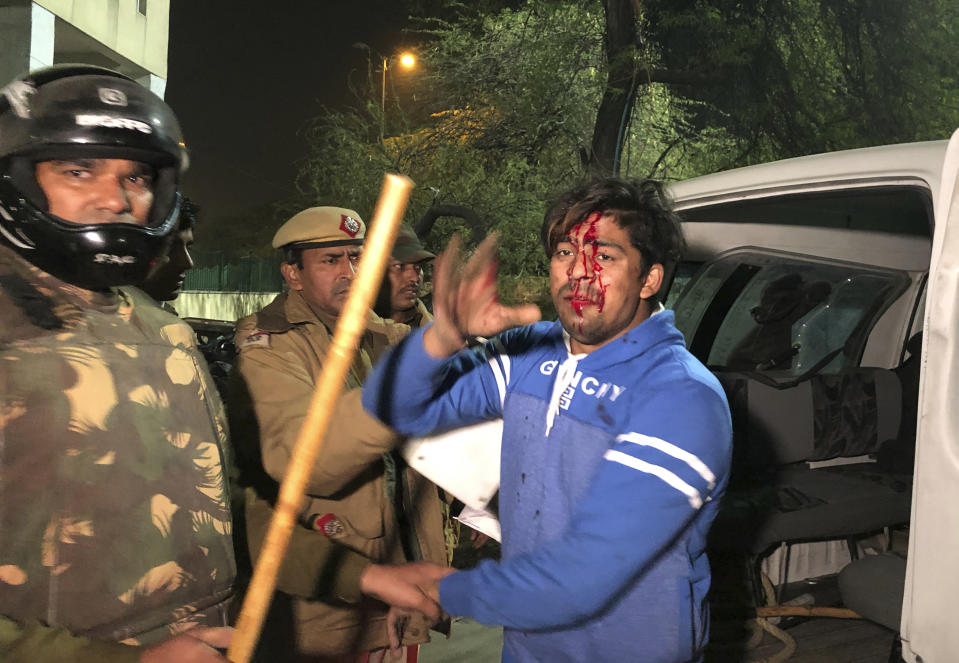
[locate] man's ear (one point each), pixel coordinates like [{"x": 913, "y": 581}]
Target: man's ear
[
  {"x": 653, "y": 281},
  {"x": 291, "y": 273}
]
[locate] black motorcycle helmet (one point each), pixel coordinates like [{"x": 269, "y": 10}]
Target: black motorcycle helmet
[{"x": 84, "y": 112}]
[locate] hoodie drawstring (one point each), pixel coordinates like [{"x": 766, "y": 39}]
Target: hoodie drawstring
[{"x": 565, "y": 373}]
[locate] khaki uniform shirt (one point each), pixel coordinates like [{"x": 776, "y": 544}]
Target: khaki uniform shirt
[{"x": 351, "y": 517}]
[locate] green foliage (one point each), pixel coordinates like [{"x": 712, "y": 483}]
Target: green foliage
[
  {"x": 513, "y": 96},
  {"x": 791, "y": 77},
  {"x": 504, "y": 102}
]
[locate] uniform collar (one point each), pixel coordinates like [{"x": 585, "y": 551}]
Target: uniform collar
[{"x": 298, "y": 311}]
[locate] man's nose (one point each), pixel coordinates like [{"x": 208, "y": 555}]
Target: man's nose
[
  {"x": 582, "y": 266},
  {"x": 181, "y": 256},
  {"x": 112, "y": 196}
]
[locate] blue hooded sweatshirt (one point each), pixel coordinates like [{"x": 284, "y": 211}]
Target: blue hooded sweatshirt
[{"x": 612, "y": 466}]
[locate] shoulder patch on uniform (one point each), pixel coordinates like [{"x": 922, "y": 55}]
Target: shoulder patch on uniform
[
  {"x": 258, "y": 339},
  {"x": 328, "y": 525}
]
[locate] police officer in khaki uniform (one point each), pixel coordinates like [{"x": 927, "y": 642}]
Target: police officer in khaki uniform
[
  {"x": 399, "y": 300},
  {"x": 405, "y": 275},
  {"x": 363, "y": 504}
]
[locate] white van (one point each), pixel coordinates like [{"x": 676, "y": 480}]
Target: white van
[{"x": 808, "y": 287}]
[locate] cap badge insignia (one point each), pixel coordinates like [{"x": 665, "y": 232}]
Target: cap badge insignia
[{"x": 349, "y": 225}]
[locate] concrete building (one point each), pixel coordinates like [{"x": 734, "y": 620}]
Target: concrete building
[{"x": 129, "y": 36}]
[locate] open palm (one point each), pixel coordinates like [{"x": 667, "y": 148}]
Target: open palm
[{"x": 466, "y": 298}]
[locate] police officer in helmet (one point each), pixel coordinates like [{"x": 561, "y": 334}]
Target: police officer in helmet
[
  {"x": 91, "y": 161},
  {"x": 112, "y": 493}
]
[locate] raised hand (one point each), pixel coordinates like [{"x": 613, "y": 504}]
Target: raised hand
[{"x": 466, "y": 299}]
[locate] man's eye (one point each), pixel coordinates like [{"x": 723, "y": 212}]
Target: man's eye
[
  {"x": 354, "y": 258},
  {"x": 141, "y": 180},
  {"x": 563, "y": 252}
]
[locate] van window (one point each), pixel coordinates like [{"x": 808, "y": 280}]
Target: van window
[
  {"x": 763, "y": 311},
  {"x": 683, "y": 274},
  {"x": 900, "y": 210}
]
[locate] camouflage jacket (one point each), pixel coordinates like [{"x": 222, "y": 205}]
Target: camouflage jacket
[
  {"x": 114, "y": 513},
  {"x": 353, "y": 491}
]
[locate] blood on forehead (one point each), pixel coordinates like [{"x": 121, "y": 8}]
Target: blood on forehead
[
  {"x": 590, "y": 288},
  {"x": 586, "y": 229}
]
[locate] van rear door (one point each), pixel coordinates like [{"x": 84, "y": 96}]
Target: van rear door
[{"x": 929, "y": 632}]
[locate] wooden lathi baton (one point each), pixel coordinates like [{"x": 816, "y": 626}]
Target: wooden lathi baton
[{"x": 352, "y": 321}]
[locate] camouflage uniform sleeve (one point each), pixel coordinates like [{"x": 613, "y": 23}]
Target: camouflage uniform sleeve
[
  {"x": 279, "y": 389},
  {"x": 35, "y": 642}
]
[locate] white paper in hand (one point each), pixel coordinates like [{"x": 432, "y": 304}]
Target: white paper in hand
[
  {"x": 481, "y": 521},
  {"x": 464, "y": 462}
]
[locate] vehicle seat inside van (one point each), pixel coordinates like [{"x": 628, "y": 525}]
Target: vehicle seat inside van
[
  {"x": 778, "y": 492},
  {"x": 874, "y": 585}
]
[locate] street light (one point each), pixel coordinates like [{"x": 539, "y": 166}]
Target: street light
[{"x": 407, "y": 61}]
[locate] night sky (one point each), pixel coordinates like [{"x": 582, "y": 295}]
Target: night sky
[{"x": 245, "y": 77}]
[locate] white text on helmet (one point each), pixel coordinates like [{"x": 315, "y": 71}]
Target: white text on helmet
[
  {"x": 111, "y": 122},
  {"x": 111, "y": 259}
]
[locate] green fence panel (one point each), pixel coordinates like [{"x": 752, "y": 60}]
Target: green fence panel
[{"x": 216, "y": 272}]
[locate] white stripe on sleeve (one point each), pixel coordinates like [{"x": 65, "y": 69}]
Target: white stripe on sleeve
[
  {"x": 695, "y": 499},
  {"x": 501, "y": 370},
  {"x": 672, "y": 450}
]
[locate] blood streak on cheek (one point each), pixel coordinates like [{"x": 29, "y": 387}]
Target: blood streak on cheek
[{"x": 587, "y": 253}]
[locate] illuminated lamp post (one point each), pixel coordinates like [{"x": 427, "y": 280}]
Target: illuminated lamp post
[{"x": 407, "y": 61}]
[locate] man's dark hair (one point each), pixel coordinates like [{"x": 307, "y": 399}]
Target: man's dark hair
[
  {"x": 189, "y": 213},
  {"x": 293, "y": 255},
  {"x": 641, "y": 207}
]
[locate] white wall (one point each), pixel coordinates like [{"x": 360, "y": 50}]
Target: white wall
[
  {"x": 229, "y": 306},
  {"x": 117, "y": 25},
  {"x": 27, "y": 38},
  {"x": 109, "y": 33}
]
